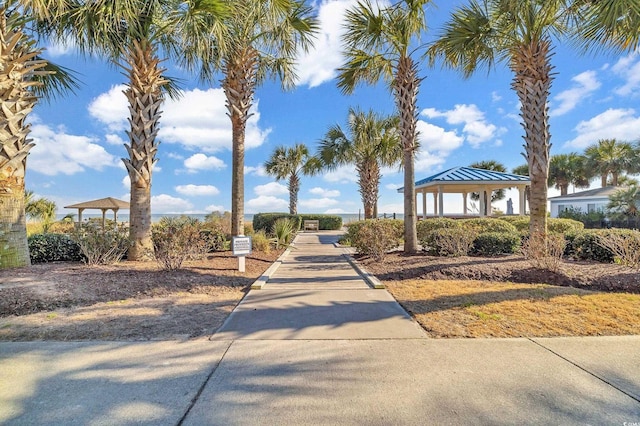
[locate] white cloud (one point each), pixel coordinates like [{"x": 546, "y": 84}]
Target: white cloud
[
  {"x": 334, "y": 211},
  {"x": 585, "y": 84},
  {"x": 197, "y": 120},
  {"x": 343, "y": 174},
  {"x": 476, "y": 129},
  {"x": 57, "y": 152},
  {"x": 114, "y": 139},
  {"x": 391, "y": 208},
  {"x": 266, "y": 203},
  {"x": 495, "y": 96},
  {"x": 126, "y": 182},
  {"x": 198, "y": 162},
  {"x": 320, "y": 63},
  {"x": 271, "y": 188},
  {"x": 318, "y": 203},
  {"x": 393, "y": 186},
  {"x": 197, "y": 190},
  {"x": 629, "y": 69},
  {"x": 214, "y": 208},
  {"x": 61, "y": 48},
  {"x": 324, "y": 193},
  {"x": 255, "y": 171},
  {"x": 435, "y": 145},
  {"x": 164, "y": 203},
  {"x": 111, "y": 108},
  {"x": 620, "y": 124}
]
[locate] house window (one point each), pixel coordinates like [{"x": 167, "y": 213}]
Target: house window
[
  {"x": 591, "y": 207},
  {"x": 562, "y": 207}
]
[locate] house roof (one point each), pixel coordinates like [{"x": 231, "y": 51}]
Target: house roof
[
  {"x": 101, "y": 204},
  {"x": 471, "y": 178},
  {"x": 604, "y": 192}
]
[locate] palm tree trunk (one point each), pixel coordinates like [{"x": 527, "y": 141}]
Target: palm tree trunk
[
  {"x": 144, "y": 95},
  {"x": 369, "y": 182},
  {"x": 603, "y": 179},
  {"x": 294, "y": 187},
  {"x": 532, "y": 68},
  {"x": 16, "y": 67},
  {"x": 614, "y": 179},
  {"x": 239, "y": 86},
  {"x": 405, "y": 88}
]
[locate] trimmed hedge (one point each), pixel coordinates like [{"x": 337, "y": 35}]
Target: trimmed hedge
[
  {"x": 53, "y": 248},
  {"x": 455, "y": 241},
  {"x": 584, "y": 245},
  {"x": 426, "y": 226},
  {"x": 495, "y": 243},
  {"x": 554, "y": 224},
  {"x": 374, "y": 237},
  {"x": 265, "y": 221},
  {"x": 486, "y": 224}
]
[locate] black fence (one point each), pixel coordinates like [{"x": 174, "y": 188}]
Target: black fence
[{"x": 627, "y": 223}]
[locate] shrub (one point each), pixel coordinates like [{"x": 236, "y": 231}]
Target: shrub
[
  {"x": 52, "y": 248},
  {"x": 62, "y": 227},
  {"x": 545, "y": 256},
  {"x": 495, "y": 243},
  {"x": 487, "y": 224},
  {"x": 448, "y": 242},
  {"x": 326, "y": 222},
  {"x": 176, "y": 239},
  {"x": 220, "y": 221},
  {"x": 624, "y": 246},
  {"x": 563, "y": 226},
  {"x": 265, "y": 221},
  {"x": 260, "y": 242},
  {"x": 374, "y": 237},
  {"x": 585, "y": 246},
  {"x": 213, "y": 235},
  {"x": 102, "y": 246},
  {"x": 284, "y": 230},
  {"x": 424, "y": 227},
  {"x": 353, "y": 230}
]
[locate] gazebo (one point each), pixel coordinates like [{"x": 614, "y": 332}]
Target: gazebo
[
  {"x": 102, "y": 204},
  {"x": 466, "y": 180}
]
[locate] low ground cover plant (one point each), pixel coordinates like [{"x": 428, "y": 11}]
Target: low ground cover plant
[{"x": 52, "y": 247}]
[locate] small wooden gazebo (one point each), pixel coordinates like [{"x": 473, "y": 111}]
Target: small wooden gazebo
[{"x": 102, "y": 204}]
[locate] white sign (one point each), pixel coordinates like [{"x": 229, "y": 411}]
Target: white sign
[{"x": 241, "y": 246}]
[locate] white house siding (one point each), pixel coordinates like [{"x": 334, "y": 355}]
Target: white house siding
[{"x": 584, "y": 204}]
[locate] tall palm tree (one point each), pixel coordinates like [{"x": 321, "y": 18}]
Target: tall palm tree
[
  {"x": 568, "y": 169},
  {"x": 370, "y": 142},
  {"x": 610, "y": 157},
  {"x": 289, "y": 163},
  {"x": 519, "y": 33},
  {"x": 137, "y": 35},
  {"x": 262, "y": 41},
  {"x": 494, "y": 166},
  {"x": 380, "y": 42},
  {"x": 24, "y": 78}
]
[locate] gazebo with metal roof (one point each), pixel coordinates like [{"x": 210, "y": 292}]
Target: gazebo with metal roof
[
  {"x": 466, "y": 180},
  {"x": 102, "y": 204}
]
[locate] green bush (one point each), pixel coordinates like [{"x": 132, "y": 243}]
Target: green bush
[
  {"x": 213, "y": 235},
  {"x": 495, "y": 243},
  {"x": 373, "y": 237},
  {"x": 265, "y": 221},
  {"x": 353, "y": 229},
  {"x": 487, "y": 224},
  {"x": 586, "y": 244},
  {"x": 102, "y": 246},
  {"x": 52, "y": 248},
  {"x": 448, "y": 241},
  {"x": 176, "y": 239},
  {"x": 260, "y": 242},
  {"x": 284, "y": 229},
  {"x": 563, "y": 226},
  {"x": 326, "y": 222},
  {"x": 425, "y": 226}
]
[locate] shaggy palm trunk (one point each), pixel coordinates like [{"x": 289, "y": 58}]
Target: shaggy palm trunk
[
  {"x": 405, "y": 89},
  {"x": 369, "y": 182},
  {"x": 17, "y": 65},
  {"x": 144, "y": 95},
  {"x": 603, "y": 179},
  {"x": 239, "y": 86},
  {"x": 532, "y": 68},
  {"x": 294, "y": 187}
]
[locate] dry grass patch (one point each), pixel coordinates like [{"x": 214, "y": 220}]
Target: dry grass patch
[{"x": 453, "y": 308}]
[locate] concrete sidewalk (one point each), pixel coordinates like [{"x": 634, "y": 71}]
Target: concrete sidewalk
[{"x": 322, "y": 349}]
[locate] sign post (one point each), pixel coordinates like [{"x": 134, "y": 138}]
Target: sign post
[{"x": 241, "y": 246}]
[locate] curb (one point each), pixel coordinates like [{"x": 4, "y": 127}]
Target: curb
[
  {"x": 262, "y": 280},
  {"x": 368, "y": 277}
]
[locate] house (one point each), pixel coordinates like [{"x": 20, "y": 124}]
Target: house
[{"x": 588, "y": 201}]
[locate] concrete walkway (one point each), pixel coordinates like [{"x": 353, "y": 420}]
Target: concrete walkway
[{"x": 317, "y": 345}]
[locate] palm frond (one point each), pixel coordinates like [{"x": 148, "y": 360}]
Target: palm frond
[{"x": 56, "y": 81}]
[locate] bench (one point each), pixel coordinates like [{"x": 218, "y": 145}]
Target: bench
[{"x": 311, "y": 225}]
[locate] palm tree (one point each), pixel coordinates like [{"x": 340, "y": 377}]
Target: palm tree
[
  {"x": 610, "y": 157},
  {"x": 132, "y": 35},
  {"x": 289, "y": 163},
  {"x": 263, "y": 38},
  {"x": 380, "y": 42},
  {"x": 568, "y": 169},
  {"x": 497, "y": 195},
  {"x": 625, "y": 201},
  {"x": 370, "y": 142},
  {"x": 24, "y": 78},
  {"x": 519, "y": 33}
]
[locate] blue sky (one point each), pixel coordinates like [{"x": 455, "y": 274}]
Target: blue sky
[{"x": 79, "y": 138}]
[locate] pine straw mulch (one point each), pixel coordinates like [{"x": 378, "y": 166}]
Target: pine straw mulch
[
  {"x": 507, "y": 297},
  {"x": 125, "y": 301}
]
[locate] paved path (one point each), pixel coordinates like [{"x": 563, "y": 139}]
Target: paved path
[{"x": 318, "y": 346}]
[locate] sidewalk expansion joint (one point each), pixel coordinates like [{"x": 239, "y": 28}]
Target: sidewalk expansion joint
[
  {"x": 201, "y": 389},
  {"x": 603, "y": 380}
]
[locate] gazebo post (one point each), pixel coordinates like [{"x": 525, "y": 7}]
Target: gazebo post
[
  {"x": 424, "y": 204},
  {"x": 104, "y": 213},
  {"x": 464, "y": 203},
  {"x": 80, "y": 217},
  {"x": 435, "y": 203},
  {"x": 115, "y": 215},
  {"x": 440, "y": 202},
  {"x": 482, "y": 202},
  {"x": 523, "y": 199}
]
